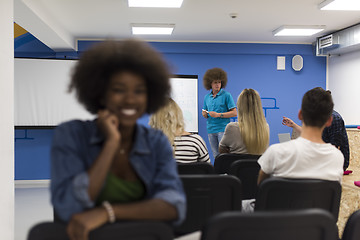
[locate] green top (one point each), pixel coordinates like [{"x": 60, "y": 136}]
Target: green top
[{"x": 117, "y": 190}]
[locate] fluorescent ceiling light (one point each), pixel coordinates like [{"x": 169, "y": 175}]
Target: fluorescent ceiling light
[
  {"x": 155, "y": 3},
  {"x": 298, "y": 30},
  {"x": 349, "y": 5},
  {"x": 152, "y": 29}
]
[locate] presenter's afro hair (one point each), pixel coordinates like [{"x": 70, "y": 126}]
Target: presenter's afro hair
[
  {"x": 92, "y": 74},
  {"x": 212, "y": 75}
]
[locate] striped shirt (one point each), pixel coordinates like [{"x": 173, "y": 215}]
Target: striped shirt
[{"x": 190, "y": 148}]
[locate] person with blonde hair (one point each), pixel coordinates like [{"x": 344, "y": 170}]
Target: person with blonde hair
[
  {"x": 251, "y": 133},
  {"x": 188, "y": 147}
]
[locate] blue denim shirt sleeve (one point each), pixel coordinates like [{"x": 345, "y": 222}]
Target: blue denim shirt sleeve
[
  {"x": 167, "y": 184},
  {"x": 69, "y": 179}
]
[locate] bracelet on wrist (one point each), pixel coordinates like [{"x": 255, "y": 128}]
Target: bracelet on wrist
[{"x": 110, "y": 211}]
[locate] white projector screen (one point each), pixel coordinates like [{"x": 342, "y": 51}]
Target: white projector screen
[{"x": 42, "y": 100}]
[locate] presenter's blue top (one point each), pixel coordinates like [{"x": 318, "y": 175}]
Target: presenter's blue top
[
  {"x": 222, "y": 102},
  {"x": 76, "y": 145}
]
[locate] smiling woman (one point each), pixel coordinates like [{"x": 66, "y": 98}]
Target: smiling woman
[{"x": 111, "y": 168}]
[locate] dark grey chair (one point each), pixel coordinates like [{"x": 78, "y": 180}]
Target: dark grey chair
[
  {"x": 133, "y": 230},
  {"x": 247, "y": 170},
  {"x": 285, "y": 194},
  {"x": 307, "y": 224},
  {"x": 352, "y": 227},
  {"x": 195, "y": 168},
  {"x": 223, "y": 161},
  {"x": 206, "y": 196}
]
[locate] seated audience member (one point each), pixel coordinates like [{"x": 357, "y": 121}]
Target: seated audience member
[
  {"x": 188, "y": 147},
  {"x": 112, "y": 168},
  {"x": 335, "y": 134},
  {"x": 308, "y": 156},
  {"x": 251, "y": 133}
]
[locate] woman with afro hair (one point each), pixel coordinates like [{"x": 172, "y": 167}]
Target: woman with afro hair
[
  {"x": 112, "y": 168},
  {"x": 218, "y": 108}
]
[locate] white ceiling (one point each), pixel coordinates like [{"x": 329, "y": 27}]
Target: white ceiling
[{"x": 59, "y": 23}]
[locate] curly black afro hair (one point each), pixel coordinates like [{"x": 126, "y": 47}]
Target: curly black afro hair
[
  {"x": 92, "y": 74},
  {"x": 212, "y": 75}
]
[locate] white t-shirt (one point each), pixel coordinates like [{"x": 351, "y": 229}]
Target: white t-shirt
[{"x": 301, "y": 158}]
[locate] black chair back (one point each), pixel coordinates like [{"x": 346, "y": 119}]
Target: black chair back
[
  {"x": 206, "y": 196},
  {"x": 310, "y": 224},
  {"x": 247, "y": 170},
  {"x": 352, "y": 227},
  {"x": 133, "y": 230},
  {"x": 284, "y": 194},
  {"x": 195, "y": 168},
  {"x": 223, "y": 161}
]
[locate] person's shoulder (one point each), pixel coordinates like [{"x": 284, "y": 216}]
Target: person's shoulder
[
  {"x": 232, "y": 125},
  {"x": 208, "y": 95},
  {"x": 336, "y": 115},
  {"x": 224, "y": 92},
  {"x": 194, "y": 135},
  {"x": 76, "y": 124},
  {"x": 152, "y": 135},
  {"x": 285, "y": 147}
]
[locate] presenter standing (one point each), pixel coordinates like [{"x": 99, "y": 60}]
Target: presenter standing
[{"x": 218, "y": 108}]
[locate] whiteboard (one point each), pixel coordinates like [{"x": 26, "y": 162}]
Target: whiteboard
[
  {"x": 41, "y": 98},
  {"x": 344, "y": 84},
  {"x": 185, "y": 94}
]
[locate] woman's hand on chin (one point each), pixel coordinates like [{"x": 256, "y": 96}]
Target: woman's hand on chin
[{"x": 109, "y": 124}]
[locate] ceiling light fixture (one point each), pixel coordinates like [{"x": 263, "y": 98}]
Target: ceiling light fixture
[
  {"x": 349, "y": 5},
  {"x": 288, "y": 30},
  {"x": 155, "y": 3},
  {"x": 152, "y": 29}
]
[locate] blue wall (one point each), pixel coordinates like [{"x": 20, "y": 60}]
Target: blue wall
[{"x": 247, "y": 65}]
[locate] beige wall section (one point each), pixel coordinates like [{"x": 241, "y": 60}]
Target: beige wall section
[
  {"x": 7, "y": 119},
  {"x": 350, "y": 198}
]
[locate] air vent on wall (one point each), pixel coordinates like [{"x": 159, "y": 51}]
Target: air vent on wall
[
  {"x": 340, "y": 42},
  {"x": 327, "y": 41}
]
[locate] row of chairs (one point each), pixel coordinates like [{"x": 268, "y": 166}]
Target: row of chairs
[
  {"x": 208, "y": 195},
  {"x": 310, "y": 224},
  {"x": 243, "y": 166}
]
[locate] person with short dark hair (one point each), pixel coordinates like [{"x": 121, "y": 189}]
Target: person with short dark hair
[
  {"x": 307, "y": 156},
  {"x": 218, "y": 108},
  {"x": 335, "y": 134},
  {"x": 112, "y": 168}
]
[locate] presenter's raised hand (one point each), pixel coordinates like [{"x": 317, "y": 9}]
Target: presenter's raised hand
[{"x": 288, "y": 122}]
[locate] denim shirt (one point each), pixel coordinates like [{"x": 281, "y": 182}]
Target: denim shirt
[{"x": 76, "y": 145}]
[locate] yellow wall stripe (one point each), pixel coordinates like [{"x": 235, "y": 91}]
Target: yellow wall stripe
[{"x": 18, "y": 31}]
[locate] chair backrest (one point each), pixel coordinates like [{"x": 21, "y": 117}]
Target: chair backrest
[
  {"x": 352, "y": 227},
  {"x": 284, "y": 194},
  {"x": 129, "y": 230},
  {"x": 206, "y": 196},
  {"x": 309, "y": 224},
  {"x": 195, "y": 168},
  {"x": 223, "y": 161},
  {"x": 247, "y": 170}
]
